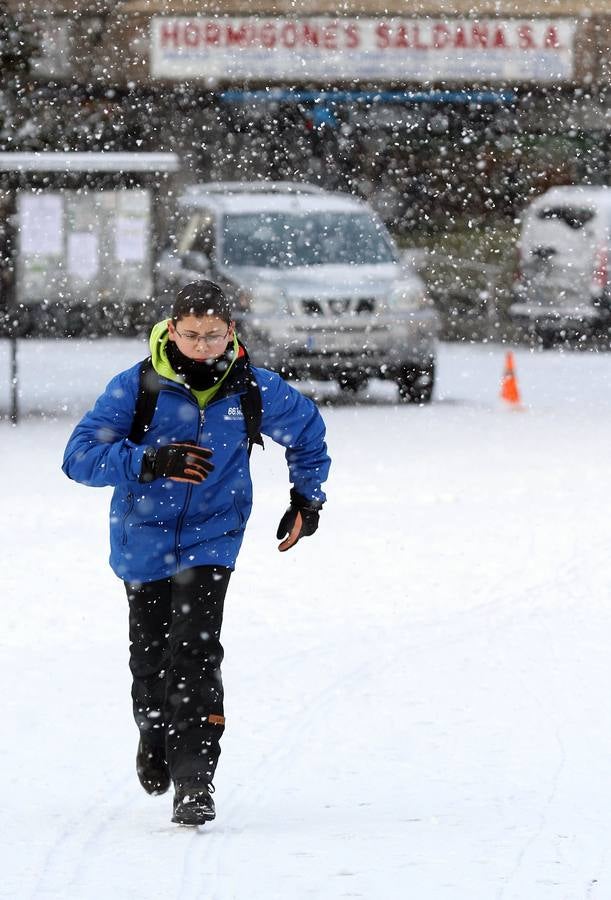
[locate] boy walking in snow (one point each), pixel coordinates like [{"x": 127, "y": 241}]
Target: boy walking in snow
[{"x": 172, "y": 436}]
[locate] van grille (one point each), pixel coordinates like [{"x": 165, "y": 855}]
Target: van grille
[{"x": 337, "y": 306}]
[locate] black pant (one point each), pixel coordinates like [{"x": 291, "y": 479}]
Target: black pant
[{"x": 175, "y": 661}]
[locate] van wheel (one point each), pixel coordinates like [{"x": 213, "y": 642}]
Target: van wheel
[
  {"x": 352, "y": 384},
  {"x": 547, "y": 340},
  {"x": 416, "y": 383}
]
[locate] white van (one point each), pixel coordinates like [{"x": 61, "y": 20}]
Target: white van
[
  {"x": 319, "y": 285},
  {"x": 563, "y": 287}
]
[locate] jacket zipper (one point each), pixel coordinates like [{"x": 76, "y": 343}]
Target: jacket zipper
[
  {"x": 127, "y": 514},
  {"x": 181, "y": 518}
]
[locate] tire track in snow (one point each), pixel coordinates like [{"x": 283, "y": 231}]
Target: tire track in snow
[
  {"x": 288, "y": 738},
  {"x": 111, "y": 813},
  {"x": 448, "y": 631},
  {"x": 220, "y": 886},
  {"x": 191, "y": 885},
  {"x": 70, "y": 850},
  {"x": 543, "y": 816},
  {"x": 67, "y": 852},
  {"x": 569, "y": 574},
  {"x": 530, "y": 595}
]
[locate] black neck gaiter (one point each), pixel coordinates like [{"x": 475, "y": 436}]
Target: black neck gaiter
[{"x": 200, "y": 375}]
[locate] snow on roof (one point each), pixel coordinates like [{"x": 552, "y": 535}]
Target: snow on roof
[
  {"x": 259, "y": 187},
  {"x": 239, "y": 197},
  {"x": 584, "y": 193},
  {"x": 51, "y": 161}
]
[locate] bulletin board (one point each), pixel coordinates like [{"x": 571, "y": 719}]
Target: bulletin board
[{"x": 84, "y": 246}]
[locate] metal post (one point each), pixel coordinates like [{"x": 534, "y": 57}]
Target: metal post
[
  {"x": 14, "y": 382},
  {"x": 9, "y": 291},
  {"x": 492, "y": 312}
]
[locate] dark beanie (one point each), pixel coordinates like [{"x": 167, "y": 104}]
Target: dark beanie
[{"x": 202, "y": 298}]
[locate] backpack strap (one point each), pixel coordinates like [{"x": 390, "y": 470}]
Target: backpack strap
[
  {"x": 146, "y": 400},
  {"x": 252, "y": 408}
]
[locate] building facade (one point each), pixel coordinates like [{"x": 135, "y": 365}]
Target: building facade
[{"x": 430, "y": 109}]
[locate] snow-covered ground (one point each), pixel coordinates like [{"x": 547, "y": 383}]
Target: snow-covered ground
[{"x": 418, "y": 697}]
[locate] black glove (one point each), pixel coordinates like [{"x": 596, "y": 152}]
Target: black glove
[
  {"x": 182, "y": 462},
  {"x": 300, "y": 520}
]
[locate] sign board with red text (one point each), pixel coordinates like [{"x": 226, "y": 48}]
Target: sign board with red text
[{"x": 392, "y": 49}]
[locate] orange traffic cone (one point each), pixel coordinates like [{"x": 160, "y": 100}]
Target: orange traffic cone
[{"x": 509, "y": 385}]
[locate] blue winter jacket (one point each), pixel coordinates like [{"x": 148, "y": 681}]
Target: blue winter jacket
[{"x": 160, "y": 528}]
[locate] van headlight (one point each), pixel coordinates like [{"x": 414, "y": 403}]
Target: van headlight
[{"x": 408, "y": 298}]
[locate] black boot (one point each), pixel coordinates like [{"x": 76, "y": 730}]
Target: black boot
[
  {"x": 193, "y": 804},
  {"x": 152, "y": 768}
]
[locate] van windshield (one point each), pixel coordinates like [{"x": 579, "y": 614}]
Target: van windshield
[
  {"x": 282, "y": 240},
  {"x": 572, "y": 216}
]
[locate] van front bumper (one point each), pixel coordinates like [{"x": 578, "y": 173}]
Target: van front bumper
[{"x": 326, "y": 349}]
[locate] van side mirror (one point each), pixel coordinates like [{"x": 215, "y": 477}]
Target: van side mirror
[{"x": 196, "y": 261}]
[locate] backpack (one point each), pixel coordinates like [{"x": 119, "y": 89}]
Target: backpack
[{"x": 149, "y": 386}]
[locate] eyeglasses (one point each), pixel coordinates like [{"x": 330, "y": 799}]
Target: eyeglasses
[{"x": 192, "y": 337}]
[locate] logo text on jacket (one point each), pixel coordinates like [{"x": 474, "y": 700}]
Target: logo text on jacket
[{"x": 233, "y": 413}]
